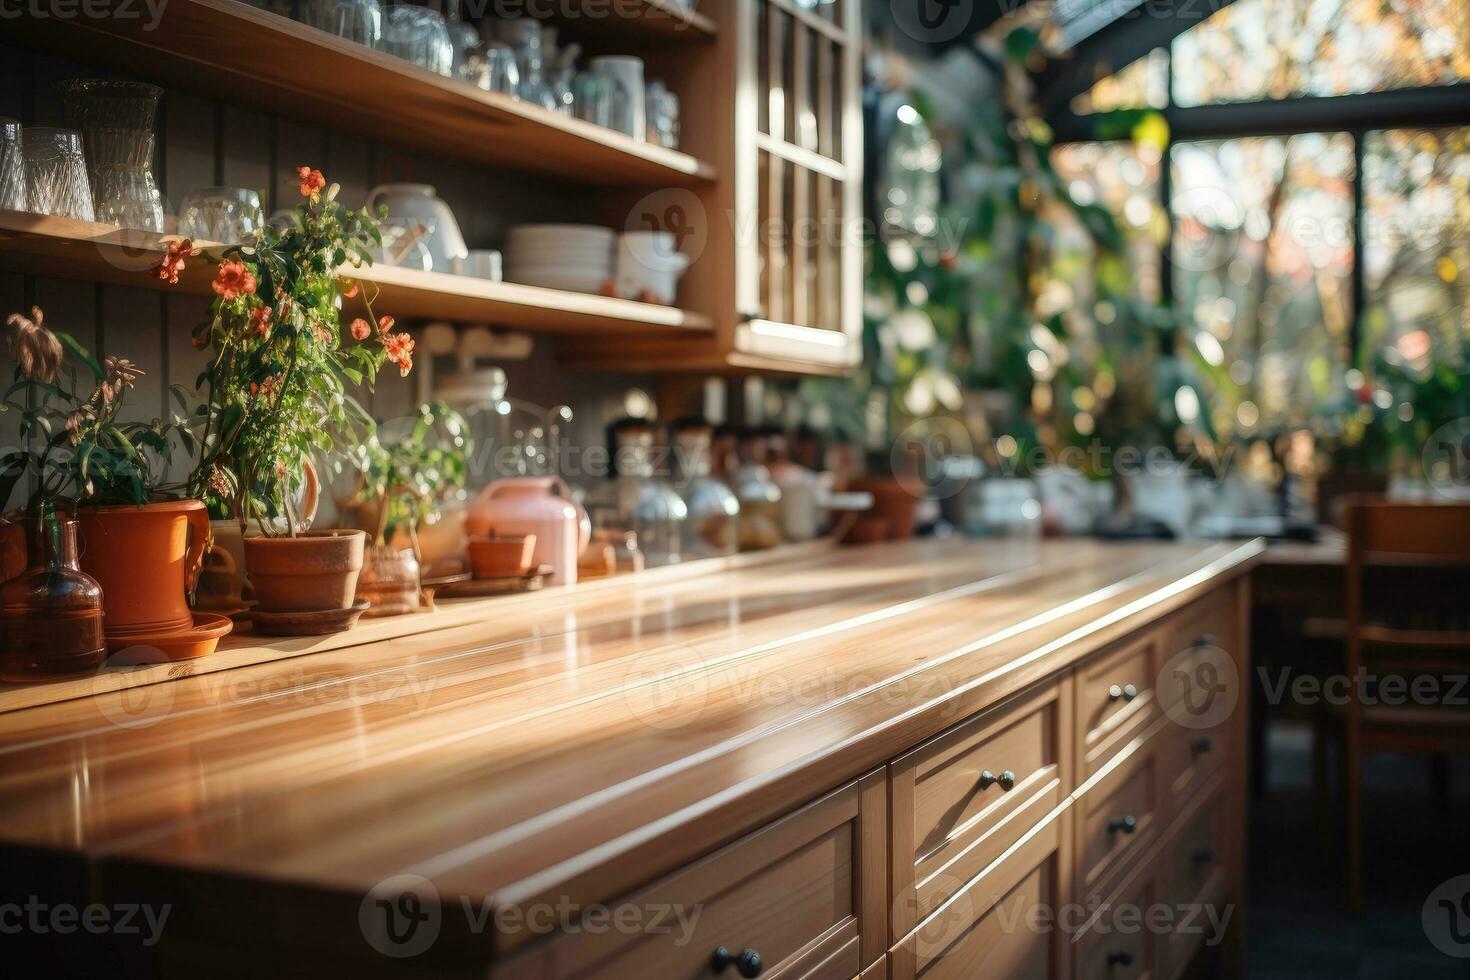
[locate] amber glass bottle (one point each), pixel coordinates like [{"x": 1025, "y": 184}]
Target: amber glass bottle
[{"x": 50, "y": 614}]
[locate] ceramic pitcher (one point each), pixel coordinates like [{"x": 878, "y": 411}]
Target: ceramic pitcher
[{"x": 539, "y": 505}]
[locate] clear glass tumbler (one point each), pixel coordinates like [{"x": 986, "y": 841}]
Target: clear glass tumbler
[
  {"x": 419, "y": 35},
  {"x": 12, "y": 166},
  {"x": 230, "y": 215},
  {"x": 56, "y": 173},
  {"x": 360, "y": 21}
]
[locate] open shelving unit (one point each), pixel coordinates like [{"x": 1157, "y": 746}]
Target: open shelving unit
[
  {"x": 69, "y": 249},
  {"x": 302, "y": 72}
]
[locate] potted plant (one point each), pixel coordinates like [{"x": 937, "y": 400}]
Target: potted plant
[
  {"x": 144, "y": 539},
  {"x": 276, "y": 390},
  {"x": 406, "y": 480}
]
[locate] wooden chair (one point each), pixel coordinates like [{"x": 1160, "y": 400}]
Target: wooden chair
[{"x": 1408, "y": 599}]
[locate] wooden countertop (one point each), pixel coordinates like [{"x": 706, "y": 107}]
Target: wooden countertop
[{"x": 564, "y": 752}]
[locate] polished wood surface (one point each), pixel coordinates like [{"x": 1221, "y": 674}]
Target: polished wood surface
[{"x": 571, "y": 753}]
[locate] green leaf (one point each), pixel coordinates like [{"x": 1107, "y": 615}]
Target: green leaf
[{"x": 76, "y": 350}]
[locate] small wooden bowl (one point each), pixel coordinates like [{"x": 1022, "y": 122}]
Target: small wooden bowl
[{"x": 501, "y": 557}]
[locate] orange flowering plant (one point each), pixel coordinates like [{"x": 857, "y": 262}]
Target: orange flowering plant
[{"x": 277, "y": 387}]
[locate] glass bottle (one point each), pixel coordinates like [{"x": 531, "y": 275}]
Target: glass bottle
[
  {"x": 760, "y": 497},
  {"x": 713, "y": 525},
  {"x": 51, "y": 614},
  {"x": 632, "y": 499}
]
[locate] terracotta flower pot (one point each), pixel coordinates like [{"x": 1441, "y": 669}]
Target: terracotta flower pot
[
  {"x": 501, "y": 557},
  {"x": 146, "y": 559},
  {"x": 316, "y": 571}
]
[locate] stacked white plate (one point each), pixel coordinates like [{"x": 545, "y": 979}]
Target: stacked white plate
[{"x": 578, "y": 258}]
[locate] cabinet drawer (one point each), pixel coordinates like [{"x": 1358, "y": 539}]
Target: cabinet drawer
[
  {"x": 1118, "y": 815},
  {"x": 1118, "y": 943},
  {"x": 961, "y": 800},
  {"x": 1190, "y": 758},
  {"x": 1115, "y": 699},
  {"x": 805, "y": 893},
  {"x": 1192, "y": 874},
  {"x": 996, "y": 926}
]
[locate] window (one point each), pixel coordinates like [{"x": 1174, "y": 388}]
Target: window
[
  {"x": 1262, "y": 263},
  {"x": 1275, "y": 49},
  {"x": 1142, "y": 85},
  {"x": 1416, "y": 243}
]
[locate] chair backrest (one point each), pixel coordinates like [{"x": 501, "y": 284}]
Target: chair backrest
[{"x": 1419, "y": 555}]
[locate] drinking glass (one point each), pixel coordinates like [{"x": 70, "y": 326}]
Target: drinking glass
[
  {"x": 12, "y": 167},
  {"x": 626, "y": 73},
  {"x": 464, "y": 41},
  {"x": 593, "y": 98},
  {"x": 419, "y": 35},
  {"x": 56, "y": 173},
  {"x": 356, "y": 20},
  {"x": 116, "y": 119},
  {"x": 230, "y": 215},
  {"x": 502, "y": 74},
  {"x": 663, "y": 115}
]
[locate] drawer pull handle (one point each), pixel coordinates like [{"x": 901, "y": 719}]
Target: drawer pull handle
[
  {"x": 1126, "y": 824},
  {"x": 748, "y": 963},
  {"x": 1120, "y": 958},
  {"x": 1202, "y": 745},
  {"x": 1006, "y": 779},
  {"x": 1127, "y": 692},
  {"x": 1203, "y": 856}
]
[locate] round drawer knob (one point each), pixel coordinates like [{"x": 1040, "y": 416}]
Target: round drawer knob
[
  {"x": 1202, "y": 745},
  {"x": 1120, "y": 958},
  {"x": 1127, "y": 824},
  {"x": 1126, "y": 692},
  {"x": 747, "y": 963},
  {"x": 1205, "y": 640},
  {"x": 1006, "y": 779}
]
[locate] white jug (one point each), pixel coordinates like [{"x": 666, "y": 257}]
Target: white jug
[{"x": 417, "y": 204}]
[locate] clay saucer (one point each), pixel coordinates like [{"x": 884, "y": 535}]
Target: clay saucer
[
  {"x": 317, "y": 622},
  {"x": 478, "y": 587},
  {"x": 152, "y": 648}
]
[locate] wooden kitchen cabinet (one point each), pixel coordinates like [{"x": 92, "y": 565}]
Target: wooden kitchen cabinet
[
  {"x": 802, "y": 899},
  {"x": 841, "y": 831},
  {"x": 780, "y": 232}
]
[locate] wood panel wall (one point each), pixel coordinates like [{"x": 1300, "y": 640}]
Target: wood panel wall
[{"x": 204, "y": 142}]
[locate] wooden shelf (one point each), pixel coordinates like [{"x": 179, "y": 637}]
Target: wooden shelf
[
  {"x": 70, "y": 249},
  {"x": 650, "y": 20},
  {"x": 261, "y": 59}
]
